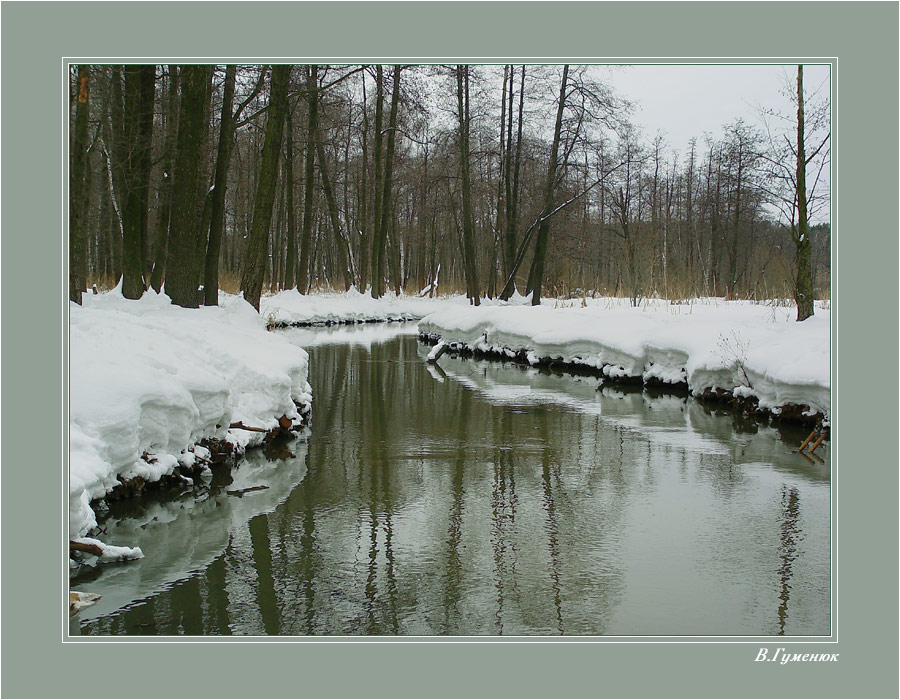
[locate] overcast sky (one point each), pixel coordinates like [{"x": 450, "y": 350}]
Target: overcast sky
[{"x": 684, "y": 101}]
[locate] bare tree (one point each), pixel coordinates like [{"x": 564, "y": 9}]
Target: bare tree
[
  {"x": 164, "y": 198},
  {"x": 220, "y": 183},
  {"x": 625, "y": 195},
  {"x": 468, "y": 226},
  {"x": 78, "y": 168},
  {"x": 536, "y": 276},
  {"x": 796, "y": 195},
  {"x": 258, "y": 240},
  {"x": 743, "y": 155},
  {"x": 312, "y": 94},
  {"x": 383, "y": 181}
]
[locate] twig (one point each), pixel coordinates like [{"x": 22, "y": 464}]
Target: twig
[{"x": 240, "y": 426}]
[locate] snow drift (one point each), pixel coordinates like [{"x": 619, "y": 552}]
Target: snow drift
[
  {"x": 149, "y": 380},
  {"x": 743, "y": 348},
  {"x": 290, "y": 308}
]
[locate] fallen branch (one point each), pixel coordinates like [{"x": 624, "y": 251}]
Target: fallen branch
[
  {"x": 526, "y": 237},
  {"x": 240, "y": 492},
  {"x": 82, "y": 547},
  {"x": 817, "y": 443},
  {"x": 240, "y": 426},
  {"x": 436, "y": 353},
  {"x": 78, "y": 601},
  {"x": 807, "y": 441}
]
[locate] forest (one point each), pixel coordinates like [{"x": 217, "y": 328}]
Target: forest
[{"x": 431, "y": 179}]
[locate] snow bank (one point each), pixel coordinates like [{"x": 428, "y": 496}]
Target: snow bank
[
  {"x": 149, "y": 380},
  {"x": 175, "y": 545},
  {"x": 756, "y": 349},
  {"x": 363, "y": 335},
  {"x": 292, "y": 308},
  {"x": 662, "y": 419}
]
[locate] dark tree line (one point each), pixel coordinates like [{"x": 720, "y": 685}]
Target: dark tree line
[{"x": 488, "y": 179}]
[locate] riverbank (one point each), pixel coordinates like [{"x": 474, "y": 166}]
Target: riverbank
[
  {"x": 754, "y": 356},
  {"x": 158, "y": 393}
]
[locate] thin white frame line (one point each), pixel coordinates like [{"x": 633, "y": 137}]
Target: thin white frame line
[{"x": 831, "y": 638}]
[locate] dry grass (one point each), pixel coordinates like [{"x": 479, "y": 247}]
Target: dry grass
[{"x": 229, "y": 282}]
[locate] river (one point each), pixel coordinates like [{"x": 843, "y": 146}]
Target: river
[{"x": 483, "y": 498}]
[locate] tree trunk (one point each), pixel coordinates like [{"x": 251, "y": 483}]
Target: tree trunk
[
  {"x": 134, "y": 156},
  {"x": 394, "y": 248},
  {"x": 688, "y": 216},
  {"x": 377, "y": 243},
  {"x": 536, "y": 277},
  {"x": 468, "y": 224},
  {"x": 277, "y": 278},
  {"x": 803, "y": 291},
  {"x": 513, "y": 201},
  {"x": 182, "y": 263},
  {"x": 116, "y": 152},
  {"x": 383, "y": 211},
  {"x": 290, "y": 276},
  {"x": 220, "y": 184},
  {"x": 312, "y": 84},
  {"x": 502, "y": 183},
  {"x": 736, "y": 229},
  {"x": 165, "y": 187},
  {"x": 343, "y": 245},
  {"x": 365, "y": 228},
  {"x": 78, "y": 168},
  {"x": 145, "y": 162},
  {"x": 257, "y": 242}
]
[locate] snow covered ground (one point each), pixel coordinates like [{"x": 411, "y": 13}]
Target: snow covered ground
[
  {"x": 149, "y": 380},
  {"x": 289, "y": 307},
  {"x": 744, "y": 348}
]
